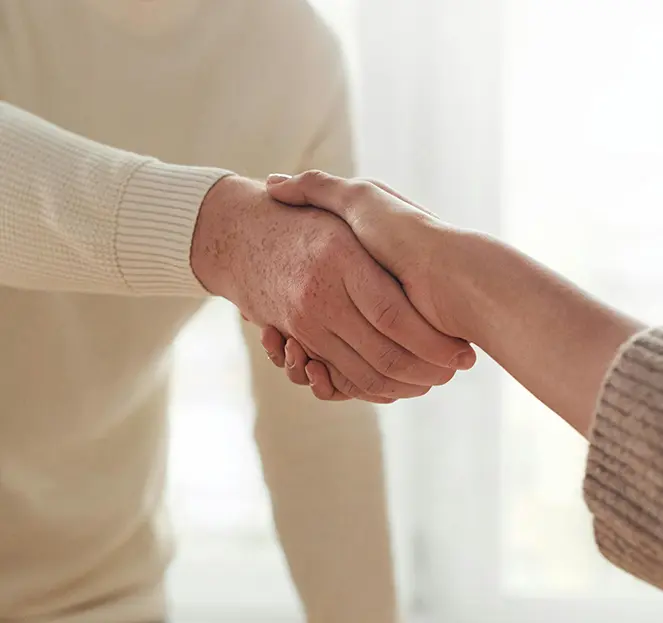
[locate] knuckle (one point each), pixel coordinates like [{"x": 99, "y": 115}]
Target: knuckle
[
  {"x": 372, "y": 384},
  {"x": 391, "y": 360},
  {"x": 314, "y": 178},
  {"x": 361, "y": 190},
  {"x": 301, "y": 324},
  {"x": 305, "y": 297},
  {"x": 295, "y": 375},
  {"x": 347, "y": 387},
  {"x": 386, "y": 314},
  {"x": 300, "y": 355},
  {"x": 328, "y": 245},
  {"x": 334, "y": 240}
]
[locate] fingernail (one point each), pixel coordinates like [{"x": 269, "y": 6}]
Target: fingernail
[
  {"x": 309, "y": 376},
  {"x": 463, "y": 361},
  {"x": 289, "y": 359},
  {"x": 277, "y": 178},
  {"x": 270, "y": 355}
]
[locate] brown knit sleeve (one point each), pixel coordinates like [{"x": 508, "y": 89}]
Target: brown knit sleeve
[{"x": 624, "y": 481}]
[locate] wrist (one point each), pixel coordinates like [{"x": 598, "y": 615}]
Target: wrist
[
  {"x": 218, "y": 232},
  {"x": 555, "y": 339},
  {"x": 459, "y": 282},
  {"x": 155, "y": 220}
]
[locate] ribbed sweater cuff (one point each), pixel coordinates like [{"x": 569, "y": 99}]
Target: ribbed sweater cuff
[
  {"x": 624, "y": 479},
  {"x": 155, "y": 223}
]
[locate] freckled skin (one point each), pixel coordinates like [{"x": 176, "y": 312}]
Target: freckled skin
[
  {"x": 304, "y": 272},
  {"x": 299, "y": 247}
]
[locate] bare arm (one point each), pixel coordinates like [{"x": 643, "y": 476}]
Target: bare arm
[
  {"x": 593, "y": 365},
  {"x": 551, "y": 336},
  {"x": 555, "y": 339}
]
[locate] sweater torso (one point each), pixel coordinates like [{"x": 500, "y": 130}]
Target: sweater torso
[{"x": 83, "y": 429}]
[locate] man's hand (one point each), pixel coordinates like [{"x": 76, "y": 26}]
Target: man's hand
[
  {"x": 399, "y": 234},
  {"x": 303, "y": 272}
]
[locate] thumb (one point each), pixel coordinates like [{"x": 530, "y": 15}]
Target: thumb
[
  {"x": 313, "y": 188},
  {"x": 284, "y": 188}
]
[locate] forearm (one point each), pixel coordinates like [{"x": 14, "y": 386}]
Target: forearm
[
  {"x": 81, "y": 216},
  {"x": 555, "y": 339}
]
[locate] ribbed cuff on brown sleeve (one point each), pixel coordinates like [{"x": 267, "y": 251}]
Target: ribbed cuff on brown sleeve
[{"x": 624, "y": 480}]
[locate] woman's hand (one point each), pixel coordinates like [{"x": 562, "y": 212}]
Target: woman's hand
[{"x": 555, "y": 339}]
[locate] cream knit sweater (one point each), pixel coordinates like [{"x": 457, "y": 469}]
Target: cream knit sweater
[{"x": 95, "y": 283}]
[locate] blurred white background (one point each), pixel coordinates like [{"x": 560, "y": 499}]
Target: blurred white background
[{"x": 539, "y": 121}]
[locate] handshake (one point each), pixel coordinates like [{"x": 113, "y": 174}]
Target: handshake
[
  {"x": 363, "y": 294},
  {"x": 355, "y": 287}
]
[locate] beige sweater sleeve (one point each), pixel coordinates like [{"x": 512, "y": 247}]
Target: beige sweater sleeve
[
  {"x": 624, "y": 480},
  {"x": 80, "y": 216}
]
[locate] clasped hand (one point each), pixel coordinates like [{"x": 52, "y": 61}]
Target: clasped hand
[
  {"x": 401, "y": 236},
  {"x": 304, "y": 273}
]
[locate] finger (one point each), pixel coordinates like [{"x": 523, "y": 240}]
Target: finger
[
  {"x": 380, "y": 299},
  {"x": 385, "y": 355},
  {"x": 321, "y": 383},
  {"x": 295, "y": 362},
  {"x": 357, "y": 376},
  {"x": 332, "y": 193},
  {"x": 318, "y": 189},
  {"x": 274, "y": 344},
  {"x": 323, "y": 388},
  {"x": 305, "y": 371}
]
